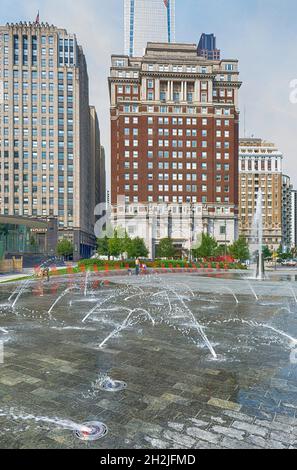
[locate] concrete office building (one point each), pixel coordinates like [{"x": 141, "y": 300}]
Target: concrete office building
[
  {"x": 260, "y": 166},
  {"x": 294, "y": 218},
  {"x": 287, "y": 214},
  {"x": 47, "y": 152}
]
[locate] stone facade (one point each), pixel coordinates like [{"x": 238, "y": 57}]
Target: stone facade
[
  {"x": 260, "y": 166},
  {"x": 45, "y": 136}
]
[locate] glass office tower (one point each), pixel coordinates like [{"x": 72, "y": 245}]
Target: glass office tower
[{"x": 148, "y": 21}]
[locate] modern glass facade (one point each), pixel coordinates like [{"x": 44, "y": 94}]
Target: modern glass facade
[
  {"x": 21, "y": 236},
  {"x": 148, "y": 21}
]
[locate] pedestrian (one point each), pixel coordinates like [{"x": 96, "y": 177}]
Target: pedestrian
[{"x": 137, "y": 267}]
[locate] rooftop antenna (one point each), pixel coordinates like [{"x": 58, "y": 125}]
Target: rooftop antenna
[{"x": 244, "y": 121}]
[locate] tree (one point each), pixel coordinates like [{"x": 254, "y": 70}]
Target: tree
[
  {"x": 283, "y": 253},
  {"x": 126, "y": 241},
  {"x": 266, "y": 252},
  {"x": 103, "y": 247},
  {"x": 166, "y": 248},
  {"x": 65, "y": 248},
  {"x": 240, "y": 249},
  {"x": 137, "y": 249},
  {"x": 208, "y": 248},
  {"x": 115, "y": 245}
]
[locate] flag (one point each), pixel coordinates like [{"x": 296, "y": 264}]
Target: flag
[
  {"x": 37, "y": 18},
  {"x": 166, "y": 3}
]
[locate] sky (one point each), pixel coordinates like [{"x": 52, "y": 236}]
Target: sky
[{"x": 261, "y": 34}]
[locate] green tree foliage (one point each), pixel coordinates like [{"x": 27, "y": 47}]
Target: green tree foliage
[
  {"x": 115, "y": 245},
  {"x": 137, "y": 249},
  {"x": 65, "y": 248},
  {"x": 208, "y": 249},
  {"x": 103, "y": 247},
  {"x": 166, "y": 249},
  {"x": 266, "y": 252},
  {"x": 240, "y": 249}
]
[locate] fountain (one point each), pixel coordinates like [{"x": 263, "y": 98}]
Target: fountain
[
  {"x": 126, "y": 323},
  {"x": 94, "y": 431},
  {"x": 258, "y": 237},
  {"x": 19, "y": 293},
  {"x": 107, "y": 384}
]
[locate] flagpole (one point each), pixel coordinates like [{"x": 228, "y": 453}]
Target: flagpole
[{"x": 168, "y": 20}]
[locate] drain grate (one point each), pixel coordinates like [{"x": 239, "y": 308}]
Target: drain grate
[
  {"x": 113, "y": 385},
  {"x": 92, "y": 431}
]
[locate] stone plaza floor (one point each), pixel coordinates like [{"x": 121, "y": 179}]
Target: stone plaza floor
[{"x": 160, "y": 334}]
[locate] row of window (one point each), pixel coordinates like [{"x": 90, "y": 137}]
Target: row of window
[
  {"x": 34, "y": 143},
  {"x": 150, "y": 176},
  {"x": 180, "y": 155},
  {"x": 176, "y": 132},
  {"x": 175, "y": 68},
  {"x": 177, "y": 110},
  {"x": 176, "y": 199},
  {"x": 178, "y": 143},
  {"x": 24, "y": 74},
  {"x": 34, "y": 109},
  {"x": 35, "y": 86},
  {"x": 176, "y": 188}
]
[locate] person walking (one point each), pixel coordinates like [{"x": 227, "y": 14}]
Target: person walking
[{"x": 137, "y": 267}]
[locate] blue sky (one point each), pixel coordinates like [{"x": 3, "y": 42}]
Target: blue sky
[{"x": 262, "y": 34}]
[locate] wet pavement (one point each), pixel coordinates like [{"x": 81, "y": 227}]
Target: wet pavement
[{"x": 158, "y": 334}]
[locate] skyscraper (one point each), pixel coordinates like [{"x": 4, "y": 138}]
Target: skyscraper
[
  {"x": 148, "y": 21},
  {"x": 260, "y": 166},
  {"x": 207, "y": 47},
  {"x": 174, "y": 138},
  {"x": 46, "y": 157},
  {"x": 294, "y": 218}
]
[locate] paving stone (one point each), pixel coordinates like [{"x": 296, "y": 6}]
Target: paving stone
[
  {"x": 227, "y": 405},
  {"x": 265, "y": 443},
  {"x": 176, "y": 426},
  {"x": 275, "y": 425},
  {"x": 157, "y": 443},
  {"x": 239, "y": 416},
  {"x": 180, "y": 439},
  {"x": 250, "y": 428},
  {"x": 283, "y": 437},
  {"x": 233, "y": 433},
  {"x": 199, "y": 423},
  {"x": 286, "y": 420},
  {"x": 203, "y": 435},
  {"x": 235, "y": 444}
]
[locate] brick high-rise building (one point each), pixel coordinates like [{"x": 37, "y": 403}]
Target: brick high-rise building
[
  {"x": 174, "y": 134},
  {"x": 46, "y": 156}
]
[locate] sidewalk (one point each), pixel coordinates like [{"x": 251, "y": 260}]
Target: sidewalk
[{"x": 15, "y": 277}]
